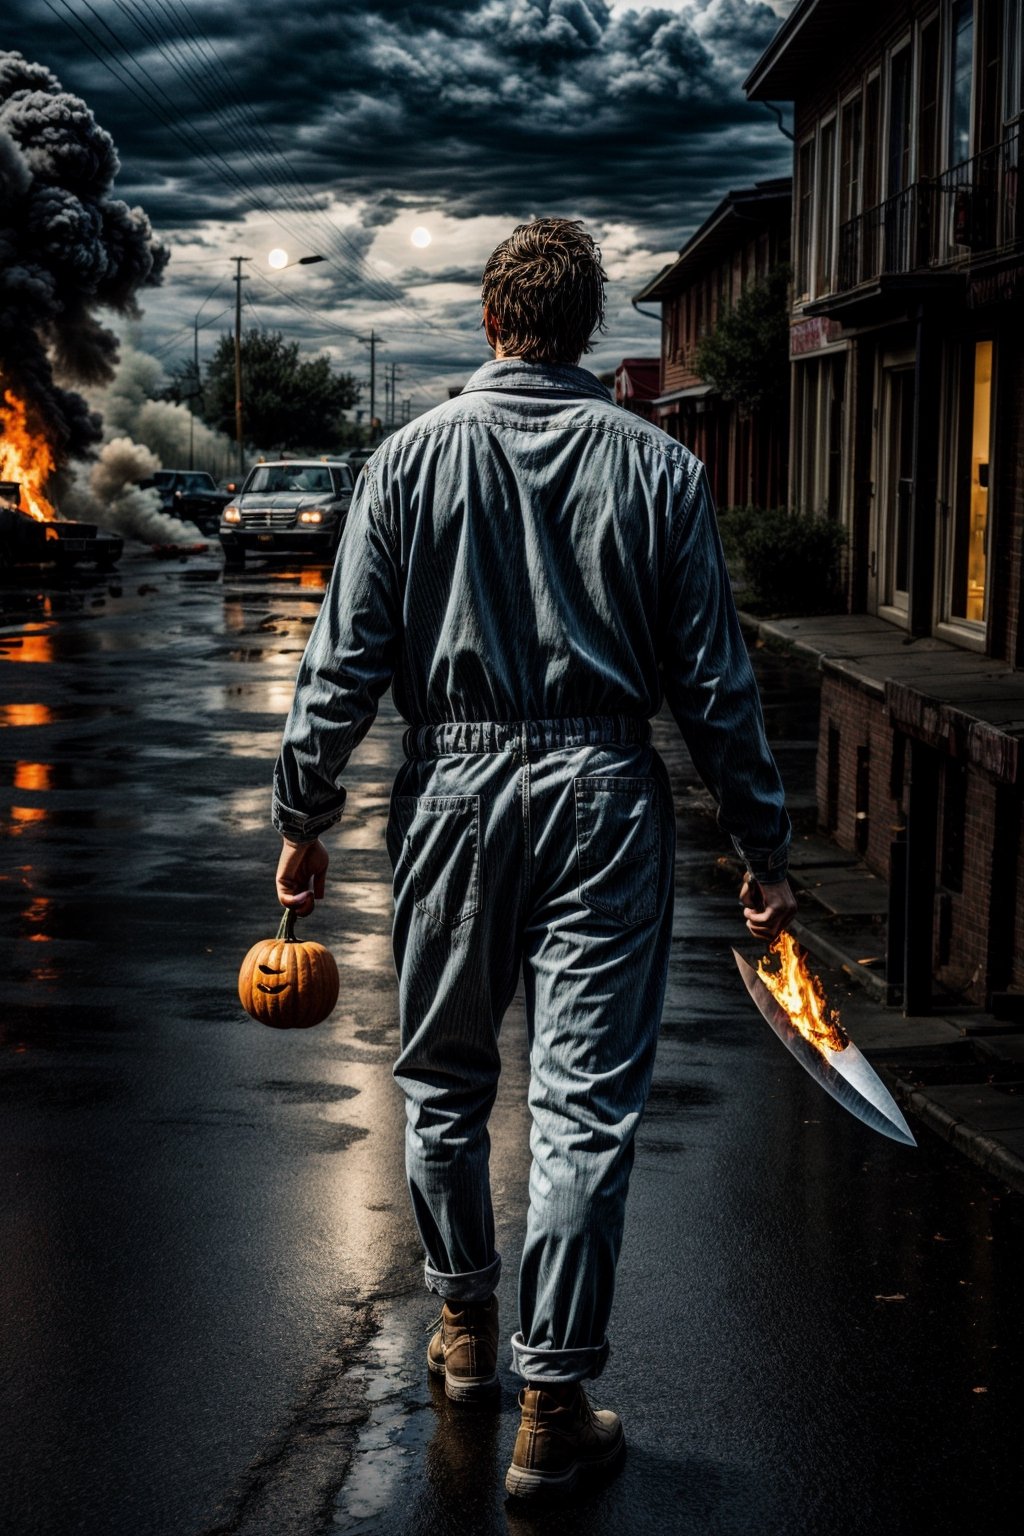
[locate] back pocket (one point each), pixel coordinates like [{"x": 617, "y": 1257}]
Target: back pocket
[
  {"x": 617, "y": 846},
  {"x": 442, "y": 847}
]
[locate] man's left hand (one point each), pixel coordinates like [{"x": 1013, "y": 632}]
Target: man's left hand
[{"x": 301, "y": 872}]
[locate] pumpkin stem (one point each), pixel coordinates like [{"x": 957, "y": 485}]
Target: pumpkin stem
[{"x": 287, "y": 928}]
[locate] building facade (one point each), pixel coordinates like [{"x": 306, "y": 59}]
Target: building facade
[
  {"x": 637, "y": 384},
  {"x": 745, "y": 238},
  {"x": 908, "y": 428}
]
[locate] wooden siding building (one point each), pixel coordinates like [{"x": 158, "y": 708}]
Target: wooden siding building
[{"x": 743, "y": 240}]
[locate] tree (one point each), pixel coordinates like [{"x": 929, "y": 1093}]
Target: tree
[
  {"x": 746, "y": 357},
  {"x": 290, "y": 402}
]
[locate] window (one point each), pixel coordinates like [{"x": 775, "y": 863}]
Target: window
[
  {"x": 826, "y": 207},
  {"x": 849, "y": 160},
  {"x": 897, "y": 483},
  {"x": 820, "y": 434},
  {"x": 990, "y": 65},
  {"x": 960, "y": 109},
  {"x": 898, "y": 149},
  {"x": 872, "y": 112},
  {"x": 969, "y": 527},
  {"x": 723, "y": 296},
  {"x": 805, "y": 208},
  {"x": 928, "y": 98},
  {"x": 1013, "y": 52}
]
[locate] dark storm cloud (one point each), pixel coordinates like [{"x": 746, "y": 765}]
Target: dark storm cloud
[
  {"x": 68, "y": 247},
  {"x": 497, "y": 107}
]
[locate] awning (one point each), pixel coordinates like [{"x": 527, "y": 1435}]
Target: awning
[{"x": 695, "y": 392}]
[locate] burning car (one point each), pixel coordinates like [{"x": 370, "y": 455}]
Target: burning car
[
  {"x": 293, "y": 506},
  {"x": 29, "y": 540}
]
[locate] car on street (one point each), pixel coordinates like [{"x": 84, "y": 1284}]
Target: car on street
[
  {"x": 357, "y": 457},
  {"x": 290, "y": 506},
  {"x": 190, "y": 494}
]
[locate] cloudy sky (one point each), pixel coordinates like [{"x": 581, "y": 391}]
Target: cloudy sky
[{"x": 341, "y": 129}]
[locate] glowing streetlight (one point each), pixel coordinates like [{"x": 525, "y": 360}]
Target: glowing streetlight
[
  {"x": 278, "y": 259},
  {"x": 420, "y": 237}
]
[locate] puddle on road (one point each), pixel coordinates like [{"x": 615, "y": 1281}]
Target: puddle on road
[{"x": 400, "y": 1425}]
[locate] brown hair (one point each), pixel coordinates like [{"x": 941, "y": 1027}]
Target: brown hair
[{"x": 544, "y": 286}]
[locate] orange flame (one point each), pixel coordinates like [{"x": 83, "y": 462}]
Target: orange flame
[
  {"x": 802, "y": 996},
  {"x": 25, "y": 457}
]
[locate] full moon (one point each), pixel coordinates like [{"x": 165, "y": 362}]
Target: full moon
[
  {"x": 278, "y": 258},
  {"x": 420, "y": 237}
]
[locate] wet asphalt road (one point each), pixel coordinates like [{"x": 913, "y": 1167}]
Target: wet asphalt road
[{"x": 211, "y": 1315}]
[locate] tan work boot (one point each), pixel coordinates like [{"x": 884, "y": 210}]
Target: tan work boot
[
  {"x": 561, "y": 1436},
  {"x": 464, "y": 1350}
]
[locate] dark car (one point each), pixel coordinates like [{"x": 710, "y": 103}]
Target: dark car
[
  {"x": 292, "y": 506},
  {"x": 190, "y": 494}
]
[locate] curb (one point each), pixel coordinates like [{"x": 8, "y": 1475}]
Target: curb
[
  {"x": 830, "y": 954},
  {"x": 988, "y": 1153}
]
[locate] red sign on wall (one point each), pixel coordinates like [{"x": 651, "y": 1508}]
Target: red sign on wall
[{"x": 812, "y": 334}]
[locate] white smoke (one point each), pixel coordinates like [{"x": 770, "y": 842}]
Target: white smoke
[
  {"x": 129, "y": 409},
  {"x": 107, "y": 492},
  {"x": 142, "y": 435}
]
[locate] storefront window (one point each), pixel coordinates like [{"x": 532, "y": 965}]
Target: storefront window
[{"x": 969, "y": 562}]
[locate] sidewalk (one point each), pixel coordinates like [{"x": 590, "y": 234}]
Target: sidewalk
[{"x": 958, "y": 1070}]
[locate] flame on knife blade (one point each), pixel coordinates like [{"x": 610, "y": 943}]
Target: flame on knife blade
[{"x": 802, "y": 996}]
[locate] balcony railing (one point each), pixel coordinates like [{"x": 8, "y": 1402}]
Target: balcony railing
[
  {"x": 970, "y": 210},
  {"x": 978, "y": 207}
]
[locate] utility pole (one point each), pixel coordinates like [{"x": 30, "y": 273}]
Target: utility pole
[
  {"x": 394, "y": 409},
  {"x": 238, "y": 281},
  {"x": 374, "y": 338},
  {"x": 192, "y": 402}
]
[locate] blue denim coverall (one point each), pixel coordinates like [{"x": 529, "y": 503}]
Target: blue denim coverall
[{"x": 531, "y": 568}]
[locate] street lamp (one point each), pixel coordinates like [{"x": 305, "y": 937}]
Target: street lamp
[
  {"x": 303, "y": 261},
  {"x": 278, "y": 259}
]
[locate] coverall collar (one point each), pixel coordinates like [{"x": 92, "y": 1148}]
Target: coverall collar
[{"x": 518, "y": 376}]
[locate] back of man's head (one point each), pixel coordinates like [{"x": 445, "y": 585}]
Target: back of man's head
[{"x": 544, "y": 290}]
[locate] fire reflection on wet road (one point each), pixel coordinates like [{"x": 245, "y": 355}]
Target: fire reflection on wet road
[{"x": 213, "y": 1313}]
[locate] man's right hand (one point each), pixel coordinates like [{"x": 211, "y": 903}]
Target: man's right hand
[
  {"x": 767, "y": 908},
  {"x": 300, "y": 875}
]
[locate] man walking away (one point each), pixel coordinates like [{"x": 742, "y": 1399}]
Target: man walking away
[{"x": 532, "y": 569}]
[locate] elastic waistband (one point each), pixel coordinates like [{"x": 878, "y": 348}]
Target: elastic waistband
[{"x": 525, "y": 735}]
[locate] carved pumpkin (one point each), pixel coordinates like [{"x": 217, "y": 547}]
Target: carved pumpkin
[{"x": 286, "y": 982}]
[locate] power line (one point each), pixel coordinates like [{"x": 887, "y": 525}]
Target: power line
[
  {"x": 242, "y": 113},
  {"x": 291, "y": 298}
]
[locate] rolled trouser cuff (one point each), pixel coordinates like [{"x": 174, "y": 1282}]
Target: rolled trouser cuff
[
  {"x": 472, "y": 1285},
  {"x": 557, "y": 1364}
]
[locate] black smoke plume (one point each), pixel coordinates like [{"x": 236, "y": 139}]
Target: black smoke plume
[{"x": 68, "y": 248}]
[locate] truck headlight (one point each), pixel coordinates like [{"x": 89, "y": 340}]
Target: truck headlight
[
  {"x": 311, "y": 517},
  {"x": 232, "y": 515}
]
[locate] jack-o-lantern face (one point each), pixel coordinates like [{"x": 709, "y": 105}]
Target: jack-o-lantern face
[
  {"x": 269, "y": 988},
  {"x": 288, "y": 983}
]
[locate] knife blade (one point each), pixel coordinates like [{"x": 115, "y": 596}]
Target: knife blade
[{"x": 845, "y": 1074}]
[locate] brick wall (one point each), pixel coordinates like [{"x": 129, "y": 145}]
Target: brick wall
[
  {"x": 854, "y": 771},
  {"x": 962, "y": 932}
]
